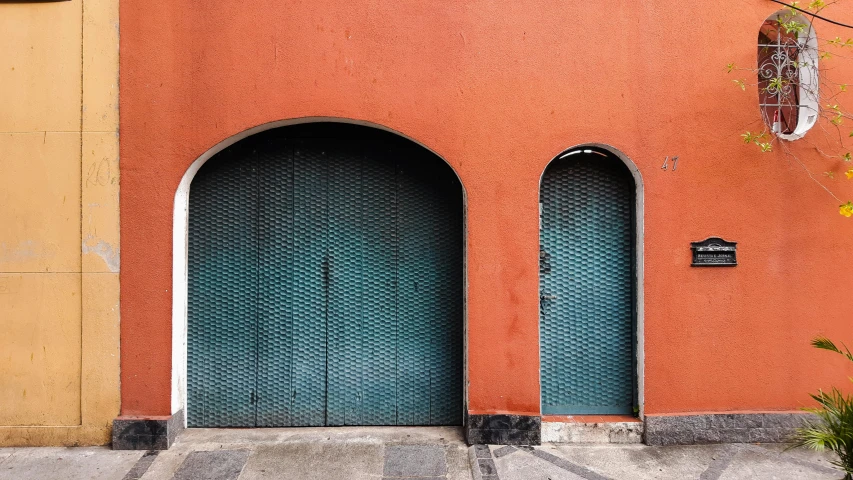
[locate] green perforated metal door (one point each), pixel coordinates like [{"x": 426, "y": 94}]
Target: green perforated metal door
[
  {"x": 586, "y": 277},
  {"x": 325, "y": 285}
]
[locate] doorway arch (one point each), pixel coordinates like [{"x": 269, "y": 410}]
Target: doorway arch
[
  {"x": 346, "y": 155},
  {"x": 591, "y": 283}
]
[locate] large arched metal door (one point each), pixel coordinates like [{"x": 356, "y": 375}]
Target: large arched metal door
[
  {"x": 325, "y": 283},
  {"x": 587, "y": 285}
]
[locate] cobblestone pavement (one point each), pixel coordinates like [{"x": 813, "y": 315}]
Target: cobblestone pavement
[{"x": 389, "y": 453}]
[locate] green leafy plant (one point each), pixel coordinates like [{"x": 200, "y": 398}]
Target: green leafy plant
[{"x": 833, "y": 428}]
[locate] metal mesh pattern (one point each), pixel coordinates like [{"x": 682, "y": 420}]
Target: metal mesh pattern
[
  {"x": 276, "y": 252},
  {"x": 325, "y": 286},
  {"x": 429, "y": 270},
  {"x": 587, "y": 287},
  {"x": 310, "y": 287},
  {"x": 223, "y": 238}
]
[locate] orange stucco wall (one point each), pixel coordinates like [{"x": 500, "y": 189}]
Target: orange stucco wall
[{"x": 498, "y": 88}]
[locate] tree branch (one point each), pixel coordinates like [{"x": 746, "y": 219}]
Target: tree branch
[{"x": 812, "y": 14}]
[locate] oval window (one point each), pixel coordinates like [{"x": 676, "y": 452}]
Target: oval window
[{"x": 788, "y": 74}]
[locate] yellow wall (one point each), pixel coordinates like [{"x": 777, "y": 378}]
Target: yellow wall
[{"x": 59, "y": 229}]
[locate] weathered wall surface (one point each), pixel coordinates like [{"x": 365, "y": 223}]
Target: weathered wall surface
[
  {"x": 59, "y": 227},
  {"x": 498, "y": 88}
]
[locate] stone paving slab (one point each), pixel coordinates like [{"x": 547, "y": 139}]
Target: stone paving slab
[
  {"x": 41, "y": 463},
  {"x": 749, "y": 464},
  {"x": 414, "y": 461},
  {"x": 458, "y": 463},
  {"x": 164, "y": 466},
  {"x": 314, "y": 461},
  {"x": 821, "y": 459},
  {"x": 213, "y": 465},
  {"x": 641, "y": 461}
]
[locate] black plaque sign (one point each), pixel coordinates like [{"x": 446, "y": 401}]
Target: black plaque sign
[{"x": 714, "y": 252}]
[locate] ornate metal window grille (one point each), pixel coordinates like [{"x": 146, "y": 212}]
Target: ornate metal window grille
[{"x": 780, "y": 58}]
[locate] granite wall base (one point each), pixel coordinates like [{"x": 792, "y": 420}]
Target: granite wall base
[
  {"x": 147, "y": 433},
  {"x": 503, "y": 430},
  {"x": 722, "y": 428}
]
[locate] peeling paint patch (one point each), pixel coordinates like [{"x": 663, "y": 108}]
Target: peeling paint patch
[{"x": 108, "y": 254}]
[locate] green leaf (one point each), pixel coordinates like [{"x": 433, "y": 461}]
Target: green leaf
[
  {"x": 826, "y": 344},
  {"x": 793, "y": 26},
  {"x": 833, "y": 427},
  {"x": 776, "y": 83}
]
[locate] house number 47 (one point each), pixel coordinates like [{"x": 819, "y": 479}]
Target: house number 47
[{"x": 666, "y": 163}]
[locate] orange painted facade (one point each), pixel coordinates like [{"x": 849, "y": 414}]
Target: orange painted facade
[{"x": 498, "y": 89}]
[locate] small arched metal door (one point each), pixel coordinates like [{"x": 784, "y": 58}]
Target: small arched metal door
[
  {"x": 587, "y": 285},
  {"x": 325, "y": 282}
]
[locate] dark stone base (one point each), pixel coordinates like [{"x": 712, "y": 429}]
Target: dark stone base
[
  {"x": 503, "y": 430},
  {"x": 722, "y": 428},
  {"x": 147, "y": 433}
]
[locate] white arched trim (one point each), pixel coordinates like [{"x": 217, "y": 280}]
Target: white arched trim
[
  {"x": 180, "y": 228},
  {"x": 639, "y": 246}
]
